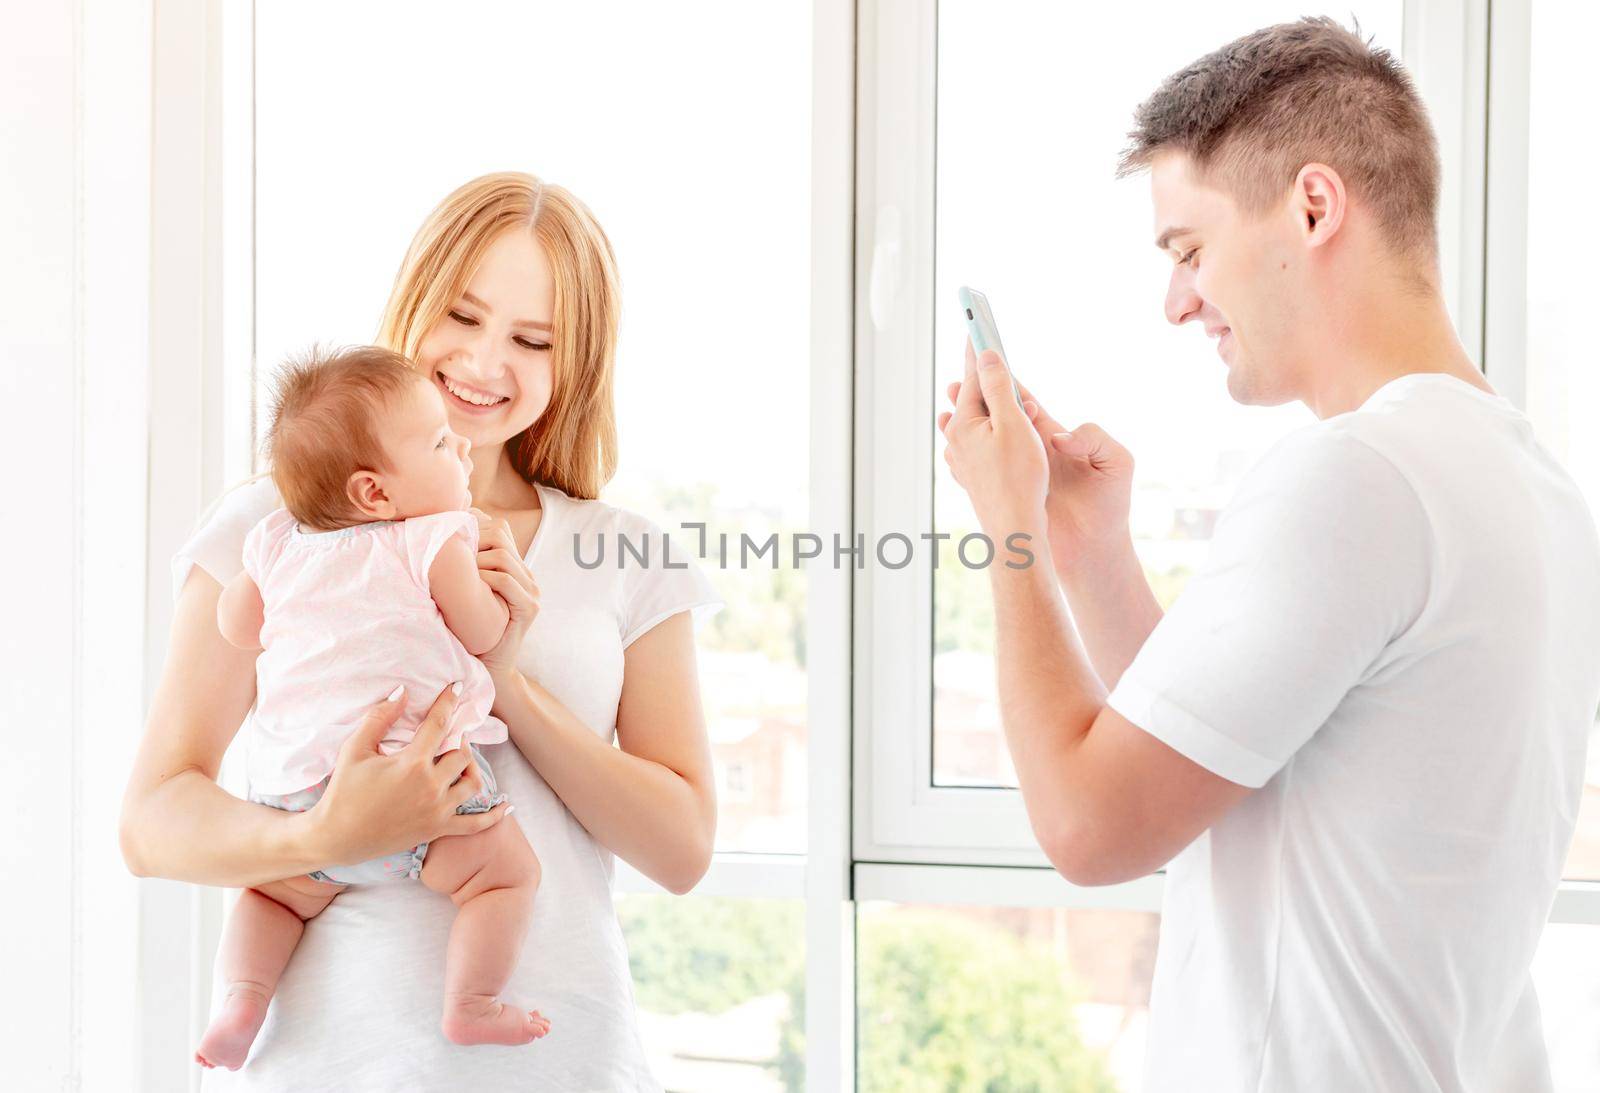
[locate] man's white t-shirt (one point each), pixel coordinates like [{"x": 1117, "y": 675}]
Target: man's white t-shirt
[
  {"x": 1396, "y": 637},
  {"x": 358, "y": 1008}
]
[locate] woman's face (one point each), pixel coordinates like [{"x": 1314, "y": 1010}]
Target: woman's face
[{"x": 489, "y": 356}]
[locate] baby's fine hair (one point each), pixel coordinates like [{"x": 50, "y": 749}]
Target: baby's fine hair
[{"x": 325, "y": 405}]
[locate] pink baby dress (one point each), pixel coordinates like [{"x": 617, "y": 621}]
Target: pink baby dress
[{"x": 348, "y": 615}]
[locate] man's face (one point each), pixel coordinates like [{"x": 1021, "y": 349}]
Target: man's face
[{"x": 1234, "y": 274}]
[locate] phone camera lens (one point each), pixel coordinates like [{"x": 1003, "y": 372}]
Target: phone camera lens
[{"x": 969, "y": 313}]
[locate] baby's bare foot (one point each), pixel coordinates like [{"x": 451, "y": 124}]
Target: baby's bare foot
[
  {"x": 474, "y": 1019},
  {"x": 233, "y": 1030}
]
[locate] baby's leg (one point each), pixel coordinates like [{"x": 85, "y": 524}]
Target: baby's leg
[
  {"x": 491, "y": 876},
  {"x": 257, "y": 943}
]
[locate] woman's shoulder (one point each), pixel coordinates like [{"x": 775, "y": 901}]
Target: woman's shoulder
[
  {"x": 246, "y": 502},
  {"x": 662, "y": 573},
  {"x": 217, "y": 543},
  {"x": 594, "y": 514}
]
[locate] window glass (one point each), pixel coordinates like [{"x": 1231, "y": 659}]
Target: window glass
[
  {"x": 1002, "y": 998},
  {"x": 368, "y": 113},
  {"x": 1566, "y": 972},
  {"x": 1563, "y": 381},
  {"x": 720, "y": 989},
  {"x": 1034, "y": 103}
]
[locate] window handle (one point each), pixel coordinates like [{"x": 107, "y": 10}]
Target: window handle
[{"x": 883, "y": 280}]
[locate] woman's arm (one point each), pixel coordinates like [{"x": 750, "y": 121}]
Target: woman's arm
[
  {"x": 178, "y": 823},
  {"x": 207, "y": 686},
  {"x": 653, "y": 802}
]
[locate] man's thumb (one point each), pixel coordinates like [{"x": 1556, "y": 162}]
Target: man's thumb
[
  {"x": 994, "y": 380},
  {"x": 1089, "y": 441}
]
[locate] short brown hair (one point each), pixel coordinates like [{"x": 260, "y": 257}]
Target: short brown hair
[
  {"x": 324, "y": 408},
  {"x": 1263, "y": 106}
]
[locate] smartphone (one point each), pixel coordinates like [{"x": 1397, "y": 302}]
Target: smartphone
[{"x": 981, "y": 328}]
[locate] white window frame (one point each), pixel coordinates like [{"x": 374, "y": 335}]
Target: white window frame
[
  {"x": 202, "y": 378},
  {"x": 901, "y": 815},
  {"x": 878, "y": 828}
]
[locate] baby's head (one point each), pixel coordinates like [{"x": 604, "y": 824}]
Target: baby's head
[{"x": 359, "y": 435}]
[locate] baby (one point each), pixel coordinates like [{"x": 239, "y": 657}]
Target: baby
[{"x": 368, "y": 577}]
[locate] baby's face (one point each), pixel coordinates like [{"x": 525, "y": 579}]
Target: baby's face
[{"x": 428, "y": 461}]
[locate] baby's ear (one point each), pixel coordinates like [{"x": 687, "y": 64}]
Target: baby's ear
[{"x": 366, "y": 493}]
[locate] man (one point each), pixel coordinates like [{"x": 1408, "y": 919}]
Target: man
[{"x": 1361, "y": 727}]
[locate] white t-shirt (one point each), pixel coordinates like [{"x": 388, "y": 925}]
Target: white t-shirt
[
  {"x": 359, "y": 1006},
  {"x": 1396, "y": 636}
]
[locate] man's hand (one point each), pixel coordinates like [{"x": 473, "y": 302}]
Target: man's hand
[
  {"x": 1090, "y": 481},
  {"x": 993, "y": 451}
]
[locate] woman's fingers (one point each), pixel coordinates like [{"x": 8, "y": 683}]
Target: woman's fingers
[
  {"x": 492, "y": 530},
  {"x": 470, "y": 823},
  {"x": 470, "y": 786},
  {"x": 496, "y": 562},
  {"x": 453, "y": 764},
  {"x": 434, "y": 727},
  {"x": 508, "y": 588},
  {"x": 506, "y": 561},
  {"x": 493, "y": 534},
  {"x": 375, "y": 725},
  {"x": 495, "y": 537}
]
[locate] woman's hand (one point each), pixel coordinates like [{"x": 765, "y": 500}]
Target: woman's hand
[
  {"x": 501, "y": 566},
  {"x": 378, "y": 804}
]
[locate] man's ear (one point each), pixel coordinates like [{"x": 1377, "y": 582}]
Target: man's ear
[
  {"x": 366, "y": 493},
  {"x": 1319, "y": 201}
]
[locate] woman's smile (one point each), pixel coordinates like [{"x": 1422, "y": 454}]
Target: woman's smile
[{"x": 466, "y": 397}]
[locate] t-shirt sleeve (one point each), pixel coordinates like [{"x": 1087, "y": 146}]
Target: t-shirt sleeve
[
  {"x": 217, "y": 543},
  {"x": 425, "y": 536},
  {"x": 669, "y": 581},
  {"x": 1320, "y": 562},
  {"x": 264, "y": 542}
]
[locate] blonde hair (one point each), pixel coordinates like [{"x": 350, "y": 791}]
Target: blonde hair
[
  {"x": 325, "y": 406},
  {"x": 573, "y": 445}
]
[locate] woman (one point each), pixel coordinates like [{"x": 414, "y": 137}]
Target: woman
[{"x": 507, "y": 300}]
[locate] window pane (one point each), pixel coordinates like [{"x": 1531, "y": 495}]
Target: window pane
[
  {"x": 720, "y": 990},
  {"x": 1563, "y": 382},
  {"x": 1044, "y": 999},
  {"x": 367, "y": 114},
  {"x": 1028, "y": 212},
  {"x": 1566, "y": 971}
]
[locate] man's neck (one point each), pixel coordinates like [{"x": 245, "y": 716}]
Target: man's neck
[{"x": 1392, "y": 331}]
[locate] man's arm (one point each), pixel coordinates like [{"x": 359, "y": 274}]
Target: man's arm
[
  {"x": 1086, "y": 511},
  {"x": 1112, "y": 605},
  {"x": 1107, "y": 801},
  {"x": 471, "y": 610}
]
